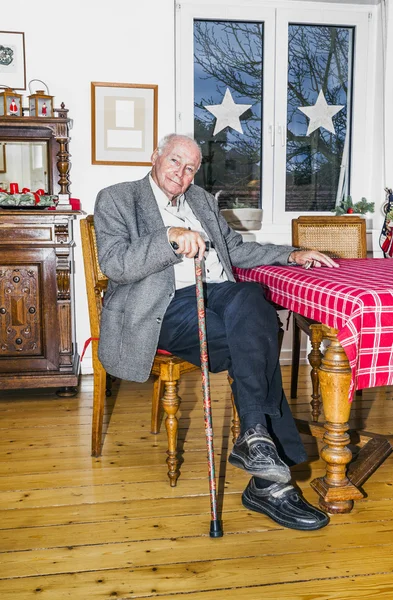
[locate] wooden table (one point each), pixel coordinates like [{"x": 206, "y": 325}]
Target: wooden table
[{"x": 354, "y": 305}]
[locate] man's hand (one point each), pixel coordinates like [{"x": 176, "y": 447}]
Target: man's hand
[
  {"x": 190, "y": 242},
  {"x": 311, "y": 258}
]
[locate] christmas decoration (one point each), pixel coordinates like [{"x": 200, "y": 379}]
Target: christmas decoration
[
  {"x": 320, "y": 114},
  {"x": 26, "y": 198},
  {"x": 227, "y": 113},
  {"x": 360, "y": 208},
  {"x": 386, "y": 237}
]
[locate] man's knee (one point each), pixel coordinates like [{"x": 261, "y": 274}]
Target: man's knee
[{"x": 252, "y": 294}]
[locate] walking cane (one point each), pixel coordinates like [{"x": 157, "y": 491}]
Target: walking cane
[{"x": 215, "y": 524}]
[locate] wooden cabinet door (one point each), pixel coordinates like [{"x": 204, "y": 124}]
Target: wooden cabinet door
[{"x": 29, "y": 327}]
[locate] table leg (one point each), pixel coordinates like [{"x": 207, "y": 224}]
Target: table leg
[
  {"x": 336, "y": 492},
  {"x": 315, "y": 359}
]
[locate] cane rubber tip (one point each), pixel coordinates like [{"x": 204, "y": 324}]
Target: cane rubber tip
[{"x": 216, "y": 529}]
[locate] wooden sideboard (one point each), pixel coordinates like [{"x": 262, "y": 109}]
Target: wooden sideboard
[{"x": 37, "y": 321}]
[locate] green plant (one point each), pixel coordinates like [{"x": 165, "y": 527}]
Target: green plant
[
  {"x": 360, "y": 208},
  {"x": 236, "y": 204}
]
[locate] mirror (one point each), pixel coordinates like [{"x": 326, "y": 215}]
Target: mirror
[
  {"x": 24, "y": 162},
  {"x": 34, "y": 152}
]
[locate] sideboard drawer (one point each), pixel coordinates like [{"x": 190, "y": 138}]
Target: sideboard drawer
[{"x": 22, "y": 234}]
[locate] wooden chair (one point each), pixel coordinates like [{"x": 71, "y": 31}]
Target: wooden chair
[
  {"x": 166, "y": 367},
  {"x": 339, "y": 237}
]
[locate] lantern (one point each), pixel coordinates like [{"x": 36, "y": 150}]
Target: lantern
[
  {"x": 40, "y": 104},
  {"x": 10, "y": 103}
]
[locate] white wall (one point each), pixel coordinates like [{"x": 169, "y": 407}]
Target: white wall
[
  {"x": 123, "y": 41},
  {"x": 70, "y": 45}
]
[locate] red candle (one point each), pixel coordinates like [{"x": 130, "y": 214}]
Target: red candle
[
  {"x": 14, "y": 188},
  {"x": 75, "y": 203}
]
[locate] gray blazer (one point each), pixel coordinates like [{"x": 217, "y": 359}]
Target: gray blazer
[{"x": 134, "y": 253}]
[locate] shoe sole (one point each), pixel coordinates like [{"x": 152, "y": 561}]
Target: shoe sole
[
  {"x": 275, "y": 475},
  {"x": 251, "y": 506}
]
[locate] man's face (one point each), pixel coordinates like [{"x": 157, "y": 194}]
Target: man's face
[{"x": 174, "y": 170}]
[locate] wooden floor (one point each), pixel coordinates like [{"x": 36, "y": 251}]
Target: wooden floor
[{"x": 79, "y": 528}]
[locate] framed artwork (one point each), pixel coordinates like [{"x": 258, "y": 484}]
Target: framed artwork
[
  {"x": 123, "y": 123},
  {"x": 12, "y": 60},
  {"x": 3, "y": 164}
]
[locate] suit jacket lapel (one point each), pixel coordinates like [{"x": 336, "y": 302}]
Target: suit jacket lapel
[
  {"x": 199, "y": 204},
  {"x": 201, "y": 210},
  {"x": 148, "y": 206}
]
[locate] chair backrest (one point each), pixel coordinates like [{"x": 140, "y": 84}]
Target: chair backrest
[
  {"x": 96, "y": 281},
  {"x": 340, "y": 237}
]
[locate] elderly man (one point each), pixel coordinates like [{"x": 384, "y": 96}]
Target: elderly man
[{"x": 148, "y": 232}]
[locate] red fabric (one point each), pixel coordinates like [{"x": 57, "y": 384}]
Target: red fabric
[
  {"x": 159, "y": 351},
  {"x": 356, "y": 299},
  {"x": 86, "y": 345}
]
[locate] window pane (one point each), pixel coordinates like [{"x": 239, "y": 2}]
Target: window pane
[
  {"x": 228, "y": 56},
  {"x": 319, "y": 58}
]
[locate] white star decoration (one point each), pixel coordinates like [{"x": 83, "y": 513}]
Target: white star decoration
[
  {"x": 320, "y": 114},
  {"x": 227, "y": 113}
]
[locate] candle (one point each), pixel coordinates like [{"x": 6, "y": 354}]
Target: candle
[
  {"x": 14, "y": 188},
  {"x": 75, "y": 203}
]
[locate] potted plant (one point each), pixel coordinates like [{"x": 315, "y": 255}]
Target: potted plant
[
  {"x": 242, "y": 217},
  {"x": 347, "y": 207}
]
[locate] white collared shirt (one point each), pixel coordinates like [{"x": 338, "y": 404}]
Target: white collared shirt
[{"x": 181, "y": 215}]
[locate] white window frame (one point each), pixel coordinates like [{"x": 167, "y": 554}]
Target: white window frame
[
  {"x": 334, "y": 17},
  {"x": 276, "y": 17}
]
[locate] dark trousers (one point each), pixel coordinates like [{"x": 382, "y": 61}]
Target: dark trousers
[{"x": 242, "y": 338}]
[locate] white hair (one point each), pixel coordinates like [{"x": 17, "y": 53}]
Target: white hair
[{"x": 171, "y": 137}]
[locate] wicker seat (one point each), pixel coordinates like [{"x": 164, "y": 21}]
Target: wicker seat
[
  {"x": 167, "y": 368},
  {"x": 339, "y": 237}
]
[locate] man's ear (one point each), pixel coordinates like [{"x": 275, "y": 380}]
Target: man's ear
[{"x": 154, "y": 157}]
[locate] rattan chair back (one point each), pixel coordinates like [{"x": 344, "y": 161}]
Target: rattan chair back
[{"x": 340, "y": 237}]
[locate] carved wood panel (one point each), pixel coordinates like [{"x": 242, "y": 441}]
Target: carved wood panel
[
  {"x": 29, "y": 326},
  {"x": 20, "y": 311}
]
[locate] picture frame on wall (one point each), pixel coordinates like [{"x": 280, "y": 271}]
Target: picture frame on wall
[
  {"x": 3, "y": 163},
  {"x": 124, "y": 123},
  {"x": 12, "y": 60}
]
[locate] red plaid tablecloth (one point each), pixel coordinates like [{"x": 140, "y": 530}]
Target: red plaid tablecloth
[{"x": 356, "y": 299}]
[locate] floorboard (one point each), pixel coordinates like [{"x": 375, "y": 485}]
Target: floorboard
[{"x": 77, "y": 527}]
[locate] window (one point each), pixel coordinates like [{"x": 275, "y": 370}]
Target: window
[
  {"x": 228, "y": 59},
  {"x": 319, "y": 76},
  {"x": 289, "y": 83}
]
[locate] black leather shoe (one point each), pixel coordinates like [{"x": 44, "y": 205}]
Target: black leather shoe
[
  {"x": 256, "y": 453},
  {"x": 283, "y": 503}
]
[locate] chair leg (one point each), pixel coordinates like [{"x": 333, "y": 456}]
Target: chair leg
[
  {"x": 235, "y": 421},
  {"x": 156, "y": 405},
  {"x": 296, "y": 338},
  {"x": 170, "y": 404},
  {"x": 315, "y": 359},
  {"x": 108, "y": 389},
  {"x": 280, "y": 333},
  {"x": 98, "y": 407}
]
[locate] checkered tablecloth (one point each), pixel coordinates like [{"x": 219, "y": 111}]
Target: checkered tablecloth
[{"x": 356, "y": 299}]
